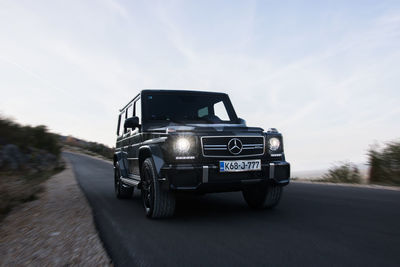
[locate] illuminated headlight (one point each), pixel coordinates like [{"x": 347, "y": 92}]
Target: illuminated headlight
[
  {"x": 182, "y": 145},
  {"x": 274, "y": 144}
]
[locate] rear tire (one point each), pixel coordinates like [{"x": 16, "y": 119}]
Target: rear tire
[
  {"x": 262, "y": 196},
  {"x": 157, "y": 201},
  {"x": 121, "y": 190}
]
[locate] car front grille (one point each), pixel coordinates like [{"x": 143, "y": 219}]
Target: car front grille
[{"x": 218, "y": 146}]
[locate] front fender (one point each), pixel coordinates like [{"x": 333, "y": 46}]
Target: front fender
[{"x": 154, "y": 152}]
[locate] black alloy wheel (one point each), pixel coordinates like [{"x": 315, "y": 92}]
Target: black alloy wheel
[
  {"x": 158, "y": 202},
  {"x": 147, "y": 190}
]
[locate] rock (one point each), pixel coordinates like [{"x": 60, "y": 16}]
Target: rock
[
  {"x": 11, "y": 157},
  {"x": 31, "y": 160}
]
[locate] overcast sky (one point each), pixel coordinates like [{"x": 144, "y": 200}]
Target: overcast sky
[{"x": 325, "y": 73}]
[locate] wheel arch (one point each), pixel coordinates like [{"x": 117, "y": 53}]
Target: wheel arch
[
  {"x": 153, "y": 152},
  {"x": 122, "y": 163}
]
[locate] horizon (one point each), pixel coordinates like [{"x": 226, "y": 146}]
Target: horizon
[{"x": 325, "y": 75}]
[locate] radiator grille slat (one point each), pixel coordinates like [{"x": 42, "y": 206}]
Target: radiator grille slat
[{"x": 217, "y": 146}]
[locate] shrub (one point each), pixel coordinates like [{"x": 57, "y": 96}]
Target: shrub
[
  {"x": 385, "y": 164},
  {"x": 42, "y": 139},
  {"x": 27, "y": 137},
  {"x": 346, "y": 172},
  {"x": 28, "y": 156},
  {"x": 92, "y": 147}
]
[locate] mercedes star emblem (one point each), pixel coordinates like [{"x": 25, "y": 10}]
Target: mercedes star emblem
[{"x": 235, "y": 146}]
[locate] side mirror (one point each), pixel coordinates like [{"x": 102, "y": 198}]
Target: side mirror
[
  {"x": 241, "y": 121},
  {"x": 132, "y": 122}
]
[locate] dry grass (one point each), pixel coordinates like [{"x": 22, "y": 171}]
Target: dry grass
[{"x": 17, "y": 188}]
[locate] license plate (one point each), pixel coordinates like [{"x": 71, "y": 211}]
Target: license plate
[{"x": 240, "y": 165}]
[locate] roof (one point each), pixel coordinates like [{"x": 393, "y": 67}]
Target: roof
[
  {"x": 167, "y": 91},
  {"x": 178, "y": 91}
]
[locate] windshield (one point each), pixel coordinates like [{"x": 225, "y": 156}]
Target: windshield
[{"x": 188, "y": 107}]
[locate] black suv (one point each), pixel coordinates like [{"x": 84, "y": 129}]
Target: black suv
[{"x": 173, "y": 141}]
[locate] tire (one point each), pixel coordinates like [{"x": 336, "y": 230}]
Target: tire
[
  {"x": 157, "y": 202},
  {"x": 121, "y": 190},
  {"x": 263, "y": 196}
]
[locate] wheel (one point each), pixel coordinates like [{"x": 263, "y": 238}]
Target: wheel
[
  {"x": 121, "y": 190},
  {"x": 262, "y": 196},
  {"x": 157, "y": 202}
]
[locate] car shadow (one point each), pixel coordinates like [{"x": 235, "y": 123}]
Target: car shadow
[{"x": 210, "y": 207}]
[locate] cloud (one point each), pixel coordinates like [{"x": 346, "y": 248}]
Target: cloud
[{"x": 117, "y": 7}]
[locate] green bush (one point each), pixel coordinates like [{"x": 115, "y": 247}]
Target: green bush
[
  {"x": 26, "y": 137},
  {"x": 385, "y": 164},
  {"x": 100, "y": 149},
  {"x": 92, "y": 147},
  {"x": 346, "y": 172}
]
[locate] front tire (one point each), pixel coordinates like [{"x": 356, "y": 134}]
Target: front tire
[
  {"x": 263, "y": 196},
  {"x": 121, "y": 190},
  {"x": 157, "y": 201}
]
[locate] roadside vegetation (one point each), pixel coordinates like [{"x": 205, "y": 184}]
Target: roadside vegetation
[
  {"x": 90, "y": 148},
  {"x": 385, "y": 164},
  {"x": 345, "y": 172},
  {"x": 384, "y": 168},
  {"x": 28, "y": 156}
]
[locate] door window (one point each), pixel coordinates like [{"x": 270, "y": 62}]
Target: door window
[
  {"x": 203, "y": 112},
  {"x": 138, "y": 110}
]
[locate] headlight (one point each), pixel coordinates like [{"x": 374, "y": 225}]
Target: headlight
[
  {"x": 182, "y": 145},
  {"x": 274, "y": 143}
]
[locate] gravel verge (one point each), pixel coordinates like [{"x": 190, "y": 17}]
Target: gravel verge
[
  {"x": 57, "y": 229},
  {"x": 372, "y": 186}
]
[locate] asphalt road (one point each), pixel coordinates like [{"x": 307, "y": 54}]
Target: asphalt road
[{"x": 314, "y": 225}]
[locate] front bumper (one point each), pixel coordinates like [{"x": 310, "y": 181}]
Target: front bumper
[{"x": 208, "y": 178}]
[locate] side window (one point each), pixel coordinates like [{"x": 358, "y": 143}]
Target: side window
[
  {"x": 119, "y": 125},
  {"x": 130, "y": 111},
  {"x": 128, "y": 114},
  {"x": 138, "y": 110},
  {"x": 202, "y": 112},
  {"x": 220, "y": 111}
]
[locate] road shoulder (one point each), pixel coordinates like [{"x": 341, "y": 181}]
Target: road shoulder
[
  {"x": 371, "y": 186},
  {"x": 56, "y": 229}
]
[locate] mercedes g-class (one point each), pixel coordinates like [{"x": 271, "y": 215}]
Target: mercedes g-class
[{"x": 173, "y": 141}]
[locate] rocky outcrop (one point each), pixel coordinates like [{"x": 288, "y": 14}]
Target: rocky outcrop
[{"x": 12, "y": 158}]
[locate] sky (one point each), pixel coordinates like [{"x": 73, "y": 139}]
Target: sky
[{"x": 325, "y": 73}]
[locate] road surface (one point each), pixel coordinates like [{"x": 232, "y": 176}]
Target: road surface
[{"x": 314, "y": 225}]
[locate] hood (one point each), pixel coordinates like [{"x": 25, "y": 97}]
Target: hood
[{"x": 209, "y": 128}]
